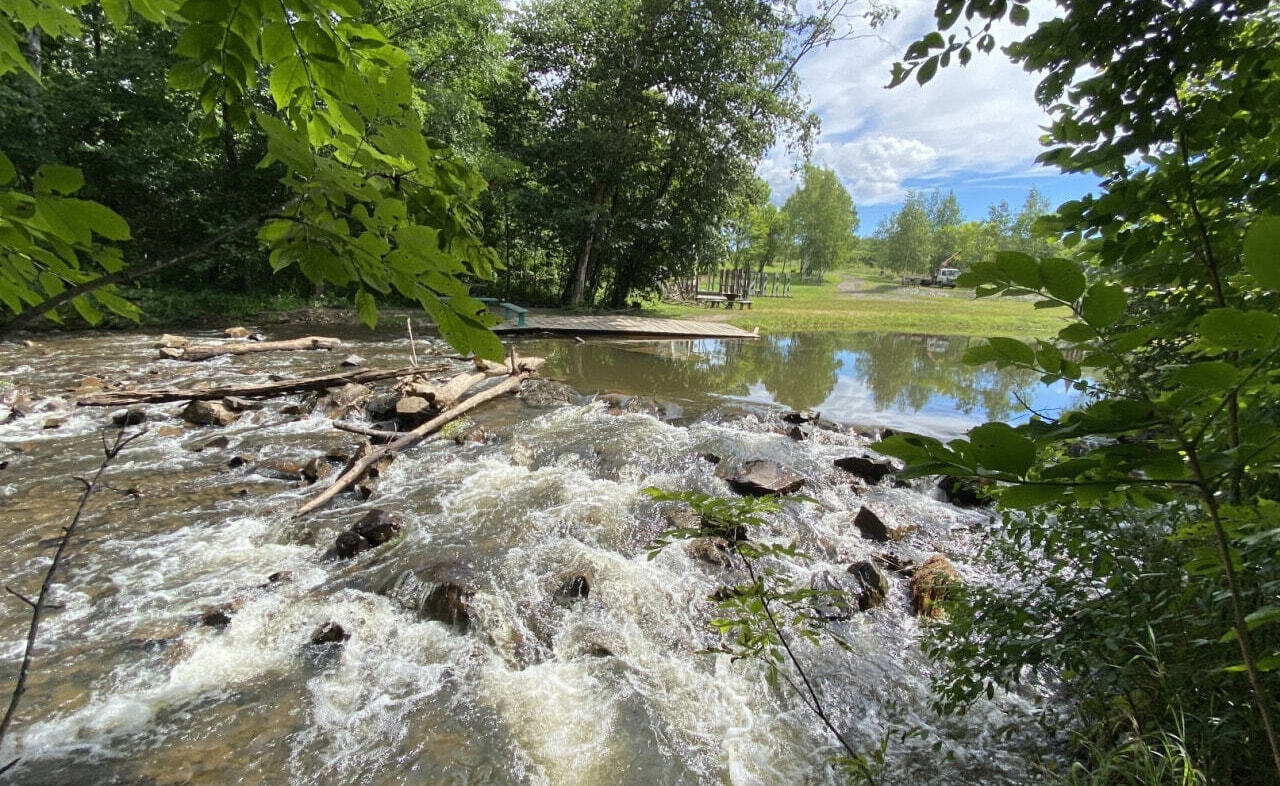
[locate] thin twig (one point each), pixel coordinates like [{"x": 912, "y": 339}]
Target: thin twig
[
  {"x": 413, "y": 350},
  {"x": 816, "y": 703},
  {"x": 110, "y": 452}
]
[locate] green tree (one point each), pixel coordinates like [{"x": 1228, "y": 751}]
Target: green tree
[
  {"x": 823, "y": 221},
  {"x": 1163, "y": 493},
  {"x": 907, "y": 237},
  {"x": 371, "y": 205},
  {"x": 653, "y": 117}
]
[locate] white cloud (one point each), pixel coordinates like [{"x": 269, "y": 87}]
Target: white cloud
[{"x": 982, "y": 118}]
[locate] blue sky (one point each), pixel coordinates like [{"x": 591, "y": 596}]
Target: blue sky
[{"x": 974, "y": 130}]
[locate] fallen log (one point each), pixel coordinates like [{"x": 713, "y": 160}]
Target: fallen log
[
  {"x": 376, "y": 434},
  {"x": 120, "y": 398},
  {"x": 206, "y": 351},
  {"x": 525, "y": 369}
]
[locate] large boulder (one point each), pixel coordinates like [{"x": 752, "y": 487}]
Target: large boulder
[
  {"x": 760, "y": 477},
  {"x": 930, "y": 586},
  {"x": 865, "y": 467},
  {"x": 208, "y": 413}
]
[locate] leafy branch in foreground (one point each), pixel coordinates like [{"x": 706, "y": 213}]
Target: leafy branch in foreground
[
  {"x": 110, "y": 451},
  {"x": 758, "y": 617},
  {"x": 1170, "y": 468},
  {"x": 378, "y": 207}
]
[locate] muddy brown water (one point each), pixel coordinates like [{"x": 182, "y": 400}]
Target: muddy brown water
[{"x": 129, "y": 687}]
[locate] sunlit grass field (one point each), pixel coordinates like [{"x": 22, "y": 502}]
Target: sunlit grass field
[{"x": 867, "y": 302}]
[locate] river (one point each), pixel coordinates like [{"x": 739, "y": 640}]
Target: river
[{"x": 129, "y": 687}]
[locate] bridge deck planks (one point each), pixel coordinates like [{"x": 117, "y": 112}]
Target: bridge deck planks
[{"x": 623, "y": 326}]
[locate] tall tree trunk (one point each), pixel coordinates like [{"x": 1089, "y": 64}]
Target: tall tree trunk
[{"x": 584, "y": 251}]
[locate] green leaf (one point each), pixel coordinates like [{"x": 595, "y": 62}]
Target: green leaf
[
  {"x": 1019, "y": 15},
  {"x": 1028, "y": 497},
  {"x": 104, "y": 220},
  {"x": 1211, "y": 375},
  {"x": 1062, "y": 278},
  {"x": 1019, "y": 268},
  {"x": 1012, "y": 350},
  {"x": 927, "y": 69},
  {"x": 1231, "y": 328},
  {"x": 1262, "y": 251},
  {"x": 367, "y": 308},
  {"x": 7, "y": 172},
  {"x": 998, "y": 446},
  {"x": 57, "y": 179},
  {"x": 1103, "y": 304}
]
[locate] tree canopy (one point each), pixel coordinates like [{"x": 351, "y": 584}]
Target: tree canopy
[{"x": 823, "y": 221}]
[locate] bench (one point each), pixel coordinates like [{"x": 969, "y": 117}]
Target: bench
[
  {"x": 509, "y": 309},
  {"x": 710, "y": 300}
]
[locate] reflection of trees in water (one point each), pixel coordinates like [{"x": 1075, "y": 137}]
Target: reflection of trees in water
[
  {"x": 904, "y": 372},
  {"x": 800, "y": 371}
]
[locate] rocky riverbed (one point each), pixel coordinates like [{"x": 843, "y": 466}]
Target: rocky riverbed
[{"x": 483, "y": 610}]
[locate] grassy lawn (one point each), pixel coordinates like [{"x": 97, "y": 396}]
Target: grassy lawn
[{"x": 857, "y": 301}]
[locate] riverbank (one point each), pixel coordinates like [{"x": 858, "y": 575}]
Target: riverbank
[
  {"x": 867, "y": 302},
  {"x": 846, "y": 302}
]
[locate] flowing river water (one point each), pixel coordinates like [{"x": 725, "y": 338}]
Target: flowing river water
[{"x": 129, "y": 687}]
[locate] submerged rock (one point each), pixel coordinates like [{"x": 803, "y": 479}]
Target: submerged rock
[
  {"x": 353, "y": 361},
  {"x": 237, "y": 404},
  {"x": 440, "y": 592},
  {"x": 382, "y": 406},
  {"x": 865, "y": 467},
  {"x": 575, "y": 584},
  {"x": 378, "y": 527},
  {"x": 759, "y": 477},
  {"x": 208, "y": 413},
  {"x": 873, "y": 584},
  {"x": 547, "y": 393},
  {"x": 329, "y": 633},
  {"x": 807, "y": 416},
  {"x": 237, "y": 332},
  {"x": 930, "y": 585},
  {"x": 348, "y": 544},
  {"x": 133, "y": 416},
  {"x": 895, "y": 563},
  {"x": 713, "y": 551},
  {"x": 279, "y": 469},
  {"x": 317, "y": 468}
]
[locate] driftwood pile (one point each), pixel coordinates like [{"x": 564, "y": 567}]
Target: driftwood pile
[{"x": 419, "y": 396}]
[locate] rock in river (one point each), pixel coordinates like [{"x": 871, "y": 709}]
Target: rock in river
[
  {"x": 865, "y": 467},
  {"x": 929, "y": 586},
  {"x": 759, "y": 477},
  {"x": 872, "y": 528},
  {"x": 208, "y": 413},
  {"x": 378, "y": 527}
]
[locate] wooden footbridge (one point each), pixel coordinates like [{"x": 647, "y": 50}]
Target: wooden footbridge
[{"x": 620, "y": 325}]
